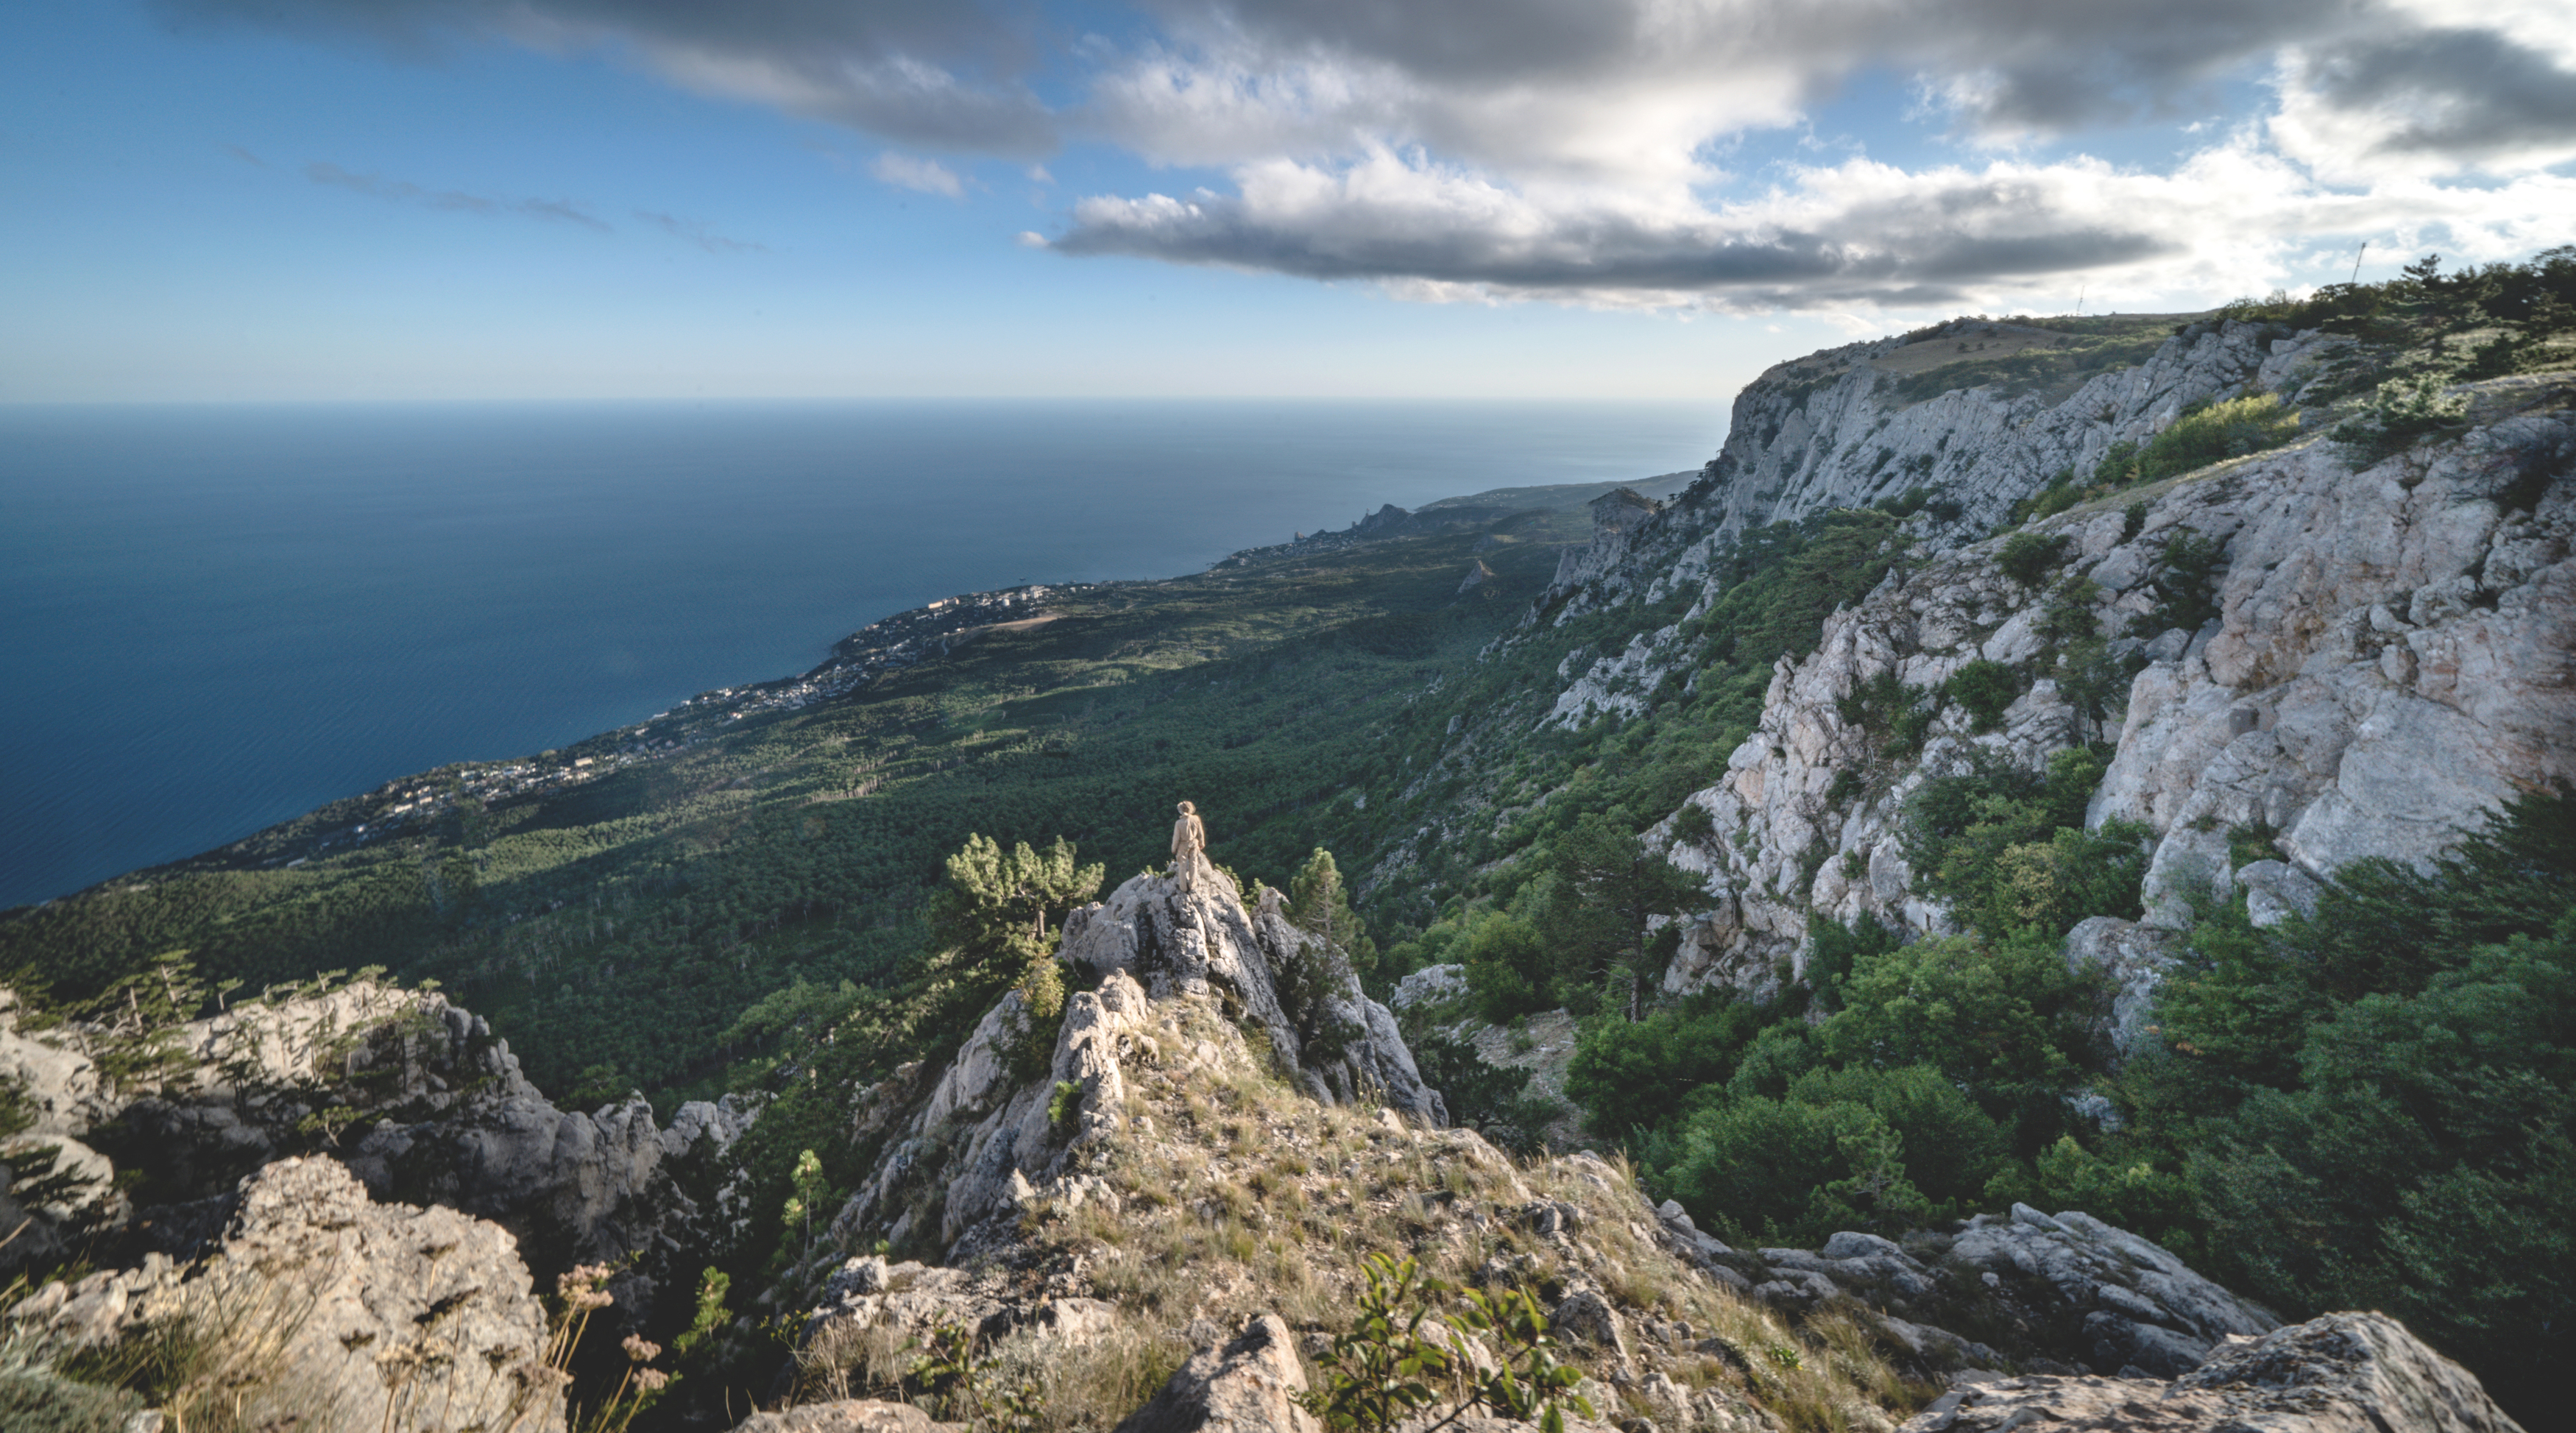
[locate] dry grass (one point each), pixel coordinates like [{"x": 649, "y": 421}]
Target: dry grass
[{"x": 1241, "y": 1195}]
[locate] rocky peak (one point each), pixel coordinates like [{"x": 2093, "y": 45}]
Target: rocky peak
[{"x": 990, "y": 1132}]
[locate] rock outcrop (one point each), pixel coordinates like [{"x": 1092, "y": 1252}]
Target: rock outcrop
[
  {"x": 1250, "y": 1385},
  {"x": 989, "y": 1135},
  {"x": 2062, "y": 1292},
  {"x": 414, "y": 1095},
  {"x": 1836, "y": 429},
  {"x": 1198, "y": 941},
  {"x": 325, "y": 1309},
  {"x": 2343, "y": 1373}
]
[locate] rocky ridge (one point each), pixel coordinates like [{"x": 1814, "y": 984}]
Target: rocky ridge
[
  {"x": 988, "y": 1129},
  {"x": 414, "y": 1096}
]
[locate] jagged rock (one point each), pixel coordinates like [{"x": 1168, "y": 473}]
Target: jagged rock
[
  {"x": 2068, "y": 1289},
  {"x": 988, "y": 1139},
  {"x": 440, "y": 1114},
  {"x": 377, "y": 1315},
  {"x": 1431, "y": 985},
  {"x": 910, "y": 1301},
  {"x": 847, "y": 1415},
  {"x": 1201, "y": 940},
  {"x": 2275, "y": 891},
  {"x": 1586, "y": 1316},
  {"x": 1248, "y": 1386},
  {"x": 2343, "y": 1373}
]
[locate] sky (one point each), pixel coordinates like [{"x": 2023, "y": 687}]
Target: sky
[{"x": 225, "y": 200}]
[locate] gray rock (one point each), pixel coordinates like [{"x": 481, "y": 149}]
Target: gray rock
[
  {"x": 2343, "y": 1373},
  {"x": 1585, "y": 1317},
  {"x": 376, "y": 1315},
  {"x": 2395, "y": 652},
  {"x": 2276, "y": 890},
  {"x": 2077, "y": 1290},
  {"x": 1431, "y": 985},
  {"x": 444, "y": 1116},
  {"x": 1202, "y": 941},
  {"x": 2133, "y": 960},
  {"x": 847, "y": 1415},
  {"x": 1249, "y": 1385}
]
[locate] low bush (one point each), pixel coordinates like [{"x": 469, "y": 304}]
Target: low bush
[{"x": 1985, "y": 689}]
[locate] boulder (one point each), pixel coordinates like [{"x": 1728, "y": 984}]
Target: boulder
[
  {"x": 1249, "y": 1385},
  {"x": 369, "y": 1315},
  {"x": 2065, "y": 1292},
  {"x": 2342, "y": 1373}
]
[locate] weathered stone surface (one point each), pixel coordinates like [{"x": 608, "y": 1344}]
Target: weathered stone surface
[
  {"x": 443, "y": 1116},
  {"x": 1431, "y": 985},
  {"x": 1249, "y": 1385},
  {"x": 1201, "y": 940},
  {"x": 2395, "y": 654},
  {"x": 376, "y": 1316},
  {"x": 2133, "y": 959},
  {"x": 990, "y": 1140},
  {"x": 2343, "y": 1373},
  {"x": 847, "y": 1415},
  {"x": 2073, "y": 1290}
]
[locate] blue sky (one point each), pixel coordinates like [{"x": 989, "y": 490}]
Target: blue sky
[{"x": 340, "y": 199}]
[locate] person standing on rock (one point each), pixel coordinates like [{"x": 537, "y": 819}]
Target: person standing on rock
[{"x": 1189, "y": 839}]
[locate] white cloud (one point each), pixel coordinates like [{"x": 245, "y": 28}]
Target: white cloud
[
  {"x": 1856, "y": 235},
  {"x": 929, "y": 176},
  {"x": 1577, "y": 149}
]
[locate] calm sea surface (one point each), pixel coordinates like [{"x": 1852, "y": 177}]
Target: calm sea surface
[{"x": 213, "y": 618}]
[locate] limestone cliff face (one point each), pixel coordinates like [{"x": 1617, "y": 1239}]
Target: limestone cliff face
[
  {"x": 1833, "y": 430},
  {"x": 2394, "y": 652},
  {"x": 987, "y": 1132}
]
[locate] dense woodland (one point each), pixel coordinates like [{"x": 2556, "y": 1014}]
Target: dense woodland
[{"x": 2372, "y": 1108}]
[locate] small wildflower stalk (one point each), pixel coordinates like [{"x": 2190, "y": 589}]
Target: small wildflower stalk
[{"x": 579, "y": 1294}]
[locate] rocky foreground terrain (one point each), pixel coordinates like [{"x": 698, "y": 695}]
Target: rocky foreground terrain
[{"x": 1161, "y": 1227}]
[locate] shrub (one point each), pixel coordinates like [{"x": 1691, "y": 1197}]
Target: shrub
[
  {"x": 2004, "y": 1019},
  {"x": 2028, "y": 557},
  {"x": 1629, "y": 1075},
  {"x": 1781, "y": 1172},
  {"x": 2187, "y": 579},
  {"x": 1985, "y": 689},
  {"x": 2402, "y": 413},
  {"x": 2206, "y": 433}
]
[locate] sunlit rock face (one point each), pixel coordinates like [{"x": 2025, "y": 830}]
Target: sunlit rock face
[{"x": 2393, "y": 655}]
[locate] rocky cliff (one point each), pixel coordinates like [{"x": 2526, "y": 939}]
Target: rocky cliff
[{"x": 2387, "y": 651}]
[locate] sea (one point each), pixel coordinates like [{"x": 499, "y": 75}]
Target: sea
[{"x": 213, "y": 618}]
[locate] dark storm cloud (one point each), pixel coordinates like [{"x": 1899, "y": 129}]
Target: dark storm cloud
[
  {"x": 1936, "y": 243},
  {"x": 2453, "y": 92}
]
